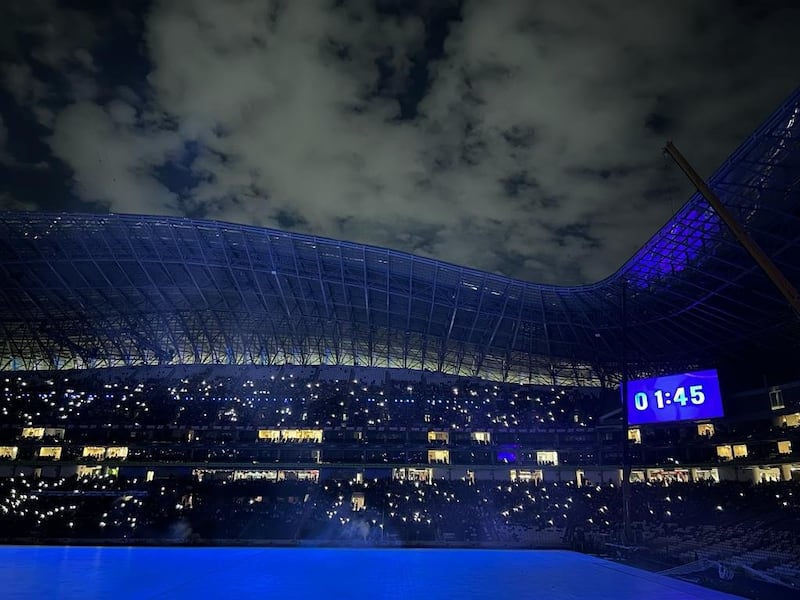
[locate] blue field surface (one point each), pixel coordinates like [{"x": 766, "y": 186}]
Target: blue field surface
[{"x": 180, "y": 573}]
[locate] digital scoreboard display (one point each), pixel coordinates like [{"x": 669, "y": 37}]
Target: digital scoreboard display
[{"x": 682, "y": 397}]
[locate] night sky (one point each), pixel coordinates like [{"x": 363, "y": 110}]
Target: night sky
[{"x": 518, "y": 137}]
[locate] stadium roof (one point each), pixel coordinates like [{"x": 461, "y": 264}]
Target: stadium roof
[{"x": 103, "y": 290}]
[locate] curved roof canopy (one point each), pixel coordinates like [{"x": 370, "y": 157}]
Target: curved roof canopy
[{"x": 103, "y": 290}]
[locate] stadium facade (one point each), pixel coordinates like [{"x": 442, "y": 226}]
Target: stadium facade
[{"x": 88, "y": 291}]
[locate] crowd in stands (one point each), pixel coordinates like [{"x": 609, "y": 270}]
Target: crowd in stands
[
  {"x": 753, "y": 523},
  {"x": 740, "y": 525},
  {"x": 286, "y": 397},
  {"x": 213, "y": 414}
]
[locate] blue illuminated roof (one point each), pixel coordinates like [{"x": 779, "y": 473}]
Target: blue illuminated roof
[{"x": 103, "y": 290}]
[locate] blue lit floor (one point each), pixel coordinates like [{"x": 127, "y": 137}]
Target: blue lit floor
[{"x": 178, "y": 573}]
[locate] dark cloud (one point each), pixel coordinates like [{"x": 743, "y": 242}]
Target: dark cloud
[
  {"x": 659, "y": 123},
  {"x": 522, "y": 138}
]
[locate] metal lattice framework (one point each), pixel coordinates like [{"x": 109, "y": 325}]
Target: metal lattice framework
[{"x": 82, "y": 291}]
